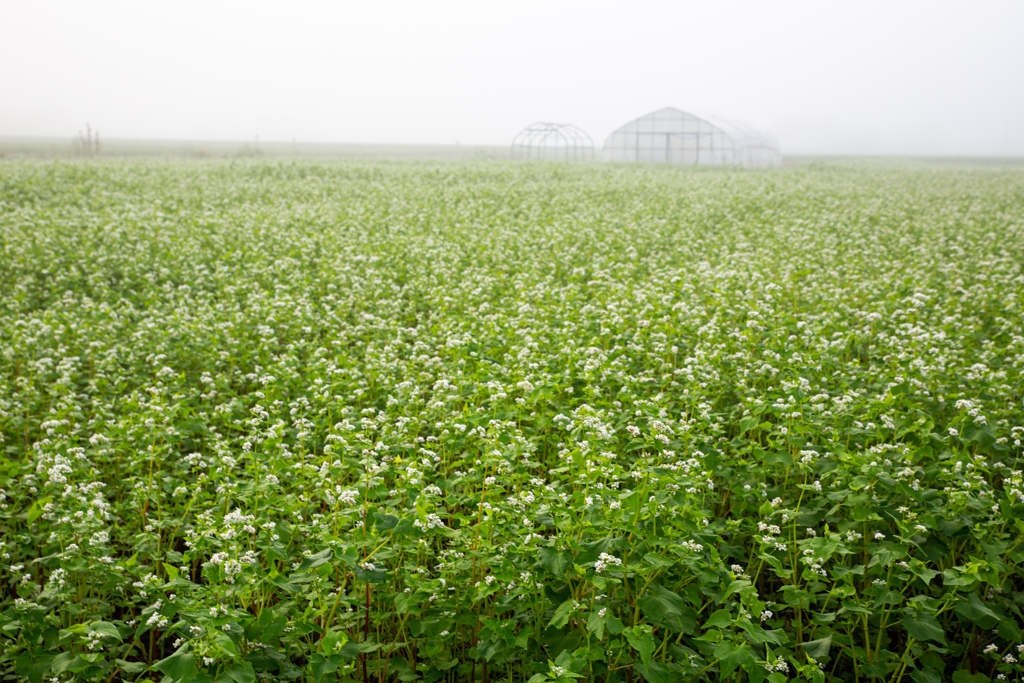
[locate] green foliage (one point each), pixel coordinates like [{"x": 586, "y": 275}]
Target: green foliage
[{"x": 466, "y": 422}]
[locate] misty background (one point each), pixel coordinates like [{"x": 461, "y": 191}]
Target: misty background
[{"x": 903, "y": 78}]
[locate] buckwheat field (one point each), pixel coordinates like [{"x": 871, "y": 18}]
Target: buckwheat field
[{"x": 482, "y": 422}]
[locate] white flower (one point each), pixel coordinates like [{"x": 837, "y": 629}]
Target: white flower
[{"x": 604, "y": 559}]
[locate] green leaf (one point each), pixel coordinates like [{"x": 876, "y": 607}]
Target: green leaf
[
  {"x": 953, "y": 527},
  {"x": 657, "y": 561},
  {"x": 595, "y": 624},
  {"x": 379, "y": 574},
  {"x": 965, "y": 676},
  {"x": 688, "y": 619},
  {"x": 950, "y": 577},
  {"x": 719, "y": 619},
  {"x": 226, "y": 643},
  {"x": 977, "y": 611},
  {"x": 314, "y": 561},
  {"x": 642, "y": 641},
  {"x": 402, "y": 602},
  {"x": 107, "y": 629},
  {"x": 555, "y": 561},
  {"x": 349, "y": 650},
  {"x": 1009, "y": 630},
  {"x": 755, "y": 672},
  {"x": 71, "y": 632},
  {"x": 859, "y": 482},
  {"x": 710, "y": 636},
  {"x": 34, "y": 669},
  {"x": 731, "y": 656},
  {"x": 66, "y": 660},
  {"x": 748, "y": 423},
  {"x": 322, "y": 666},
  {"x": 817, "y": 649},
  {"x": 241, "y": 672},
  {"x": 332, "y": 641},
  {"x": 656, "y": 672},
  {"x": 756, "y": 633},
  {"x": 181, "y": 666},
  {"x": 562, "y": 612},
  {"x": 614, "y": 625},
  {"x": 404, "y": 527},
  {"x": 489, "y": 647},
  {"x": 589, "y": 552},
  {"x": 926, "y": 675},
  {"x": 659, "y": 602},
  {"x": 444, "y": 664},
  {"x": 130, "y": 667},
  {"x": 564, "y": 659},
  {"x": 172, "y": 571},
  {"x": 923, "y": 626},
  {"x": 36, "y": 511},
  {"x": 403, "y": 669},
  {"x": 980, "y": 434},
  {"x": 385, "y": 522},
  {"x": 922, "y": 572},
  {"x": 876, "y": 670}
]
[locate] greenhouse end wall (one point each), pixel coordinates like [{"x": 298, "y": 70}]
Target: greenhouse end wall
[{"x": 671, "y": 136}]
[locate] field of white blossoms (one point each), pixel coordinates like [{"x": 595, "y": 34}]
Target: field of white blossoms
[{"x": 491, "y": 422}]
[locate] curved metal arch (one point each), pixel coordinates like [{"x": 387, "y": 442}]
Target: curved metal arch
[{"x": 553, "y": 142}]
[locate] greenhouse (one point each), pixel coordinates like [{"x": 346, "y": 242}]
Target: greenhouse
[
  {"x": 671, "y": 136},
  {"x": 553, "y": 142}
]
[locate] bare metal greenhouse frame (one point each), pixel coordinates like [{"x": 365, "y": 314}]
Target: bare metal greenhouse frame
[
  {"x": 671, "y": 136},
  {"x": 553, "y": 142}
]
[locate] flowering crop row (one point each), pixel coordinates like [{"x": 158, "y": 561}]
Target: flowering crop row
[{"x": 491, "y": 422}]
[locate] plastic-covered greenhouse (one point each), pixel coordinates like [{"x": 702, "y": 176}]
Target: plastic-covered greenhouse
[
  {"x": 553, "y": 142},
  {"x": 671, "y": 136}
]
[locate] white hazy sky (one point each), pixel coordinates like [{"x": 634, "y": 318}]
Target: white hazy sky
[{"x": 939, "y": 77}]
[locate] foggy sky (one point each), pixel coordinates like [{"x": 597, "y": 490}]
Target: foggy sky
[{"x": 867, "y": 77}]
